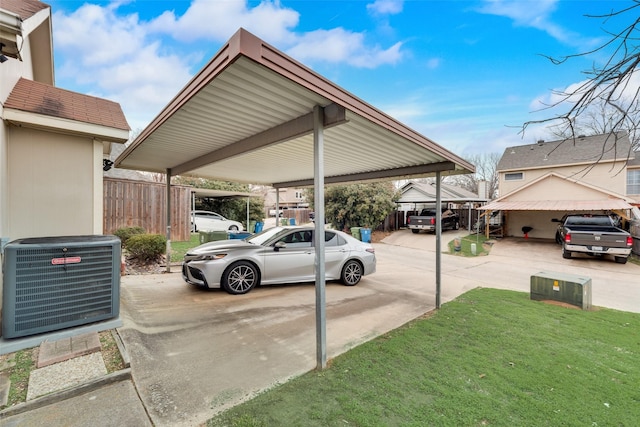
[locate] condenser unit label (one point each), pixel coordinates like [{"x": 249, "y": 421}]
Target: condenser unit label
[{"x": 68, "y": 260}]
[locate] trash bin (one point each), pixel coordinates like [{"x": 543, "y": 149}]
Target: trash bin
[
  {"x": 258, "y": 227},
  {"x": 209, "y": 236},
  {"x": 252, "y": 226},
  {"x": 284, "y": 221},
  {"x": 292, "y": 221},
  {"x": 239, "y": 235},
  {"x": 355, "y": 232},
  {"x": 365, "y": 234}
]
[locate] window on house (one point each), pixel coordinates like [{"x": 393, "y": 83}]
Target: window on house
[
  {"x": 514, "y": 176},
  {"x": 633, "y": 182}
]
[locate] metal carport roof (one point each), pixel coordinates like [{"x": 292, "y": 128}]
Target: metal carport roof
[
  {"x": 247, "y": 117},
  {"x": 254, "y": 115},
  {"x": 557, "y": 205}
]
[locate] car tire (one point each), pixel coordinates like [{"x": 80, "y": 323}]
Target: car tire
[
  {"x": 194, "y": 228},
  {"x": 351, "y": 273},
  {"x": 233, "y": 228},
  {"x": 558, "y": 239},
  {"x": 621, "y": 259},
  {"x": 566, "y": 254},
  {"x": 240, "y": 277},
  {"x": 414, "y": 231}
]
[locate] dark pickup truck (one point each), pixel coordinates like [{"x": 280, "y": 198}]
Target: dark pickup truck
[
  {"x": 427, "y": 221},
  {"x": 593, "y": 235}
]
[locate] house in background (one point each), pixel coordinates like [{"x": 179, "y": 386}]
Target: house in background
[
  {"x": 414, "y": 196},
  {"x": 596, "y": 174},
  {"x": 288, "y": 198},
  {"x": 53, "y": 142}
]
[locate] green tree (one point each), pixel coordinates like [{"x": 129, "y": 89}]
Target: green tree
[
  {"x": 231, "y": 208},
  {"x": 358, "y": 205}
]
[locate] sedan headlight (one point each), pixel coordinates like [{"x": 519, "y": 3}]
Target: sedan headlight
[{"x": 204, "y": 257}]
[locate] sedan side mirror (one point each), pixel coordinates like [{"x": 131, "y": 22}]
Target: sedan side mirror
[{"x": 279, "y": 245}]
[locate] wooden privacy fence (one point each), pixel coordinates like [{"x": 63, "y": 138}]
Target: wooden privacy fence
[{"x": 129, "y": 203}]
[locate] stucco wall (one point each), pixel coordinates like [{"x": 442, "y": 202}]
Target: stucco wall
[
  {"x": 543, "y": 228},
  {"x": 609, "y": 176},
  {"x": 54, "y": 184}
]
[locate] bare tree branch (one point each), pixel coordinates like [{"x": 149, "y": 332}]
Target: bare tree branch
[{"x": 609, "y": 88}]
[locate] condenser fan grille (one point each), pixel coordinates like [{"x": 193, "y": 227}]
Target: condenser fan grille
[{"x": 53, "y": 285}]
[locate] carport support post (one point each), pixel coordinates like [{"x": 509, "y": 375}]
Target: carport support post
[
  {"x": 438, "y": 238},
  {"x": 277, "y": 206},
  {"x": 250, "y": 231},
  {"x": 318, "y": 201},
  {"x": 168, "y": 220}
]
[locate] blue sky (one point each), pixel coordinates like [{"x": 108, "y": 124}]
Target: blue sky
[{"x": 466, "y": 74}]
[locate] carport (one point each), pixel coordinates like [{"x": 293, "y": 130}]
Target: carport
[
  {"x": 535, "y": 204},
  {"x": 254, "y": 115},
  {"x": 214, "y": 194}
]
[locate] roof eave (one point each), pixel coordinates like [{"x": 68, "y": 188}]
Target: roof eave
[{"x": 61, "y": 125}]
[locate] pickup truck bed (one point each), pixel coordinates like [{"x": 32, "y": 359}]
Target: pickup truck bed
[
  {"x": 594, "y": 239},
  {"x": 426, "y": 221}
]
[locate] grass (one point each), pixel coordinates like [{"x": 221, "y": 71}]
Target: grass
[
  {"x": 489, "y": 358},
  {"x": 465, "y": 245},
  {"x": 22, "y": 362},
  {"x": 19, "y": 375},
  {"x": 178, "y": 249}
]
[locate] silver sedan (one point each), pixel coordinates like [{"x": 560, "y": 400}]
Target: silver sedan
[{"x": 276, "y": 255}]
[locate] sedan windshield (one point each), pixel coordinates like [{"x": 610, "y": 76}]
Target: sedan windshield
[{"x": 263, "y": 236}]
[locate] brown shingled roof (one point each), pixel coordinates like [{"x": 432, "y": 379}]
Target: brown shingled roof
[
  {"x": 23, "y": 8},
  {"x": 40, "y": 98}
]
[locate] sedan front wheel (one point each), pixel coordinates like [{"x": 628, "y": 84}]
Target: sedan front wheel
[
  {"x": 240, "y": 278},
  {"x": 351, "y": 273}
]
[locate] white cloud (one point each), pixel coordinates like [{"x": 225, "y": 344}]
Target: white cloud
[
  {"x": 107, "y": 53},
  {"x": 218, "y": 20},
  {"x": 112, "y": 55},
  {"x": 341, "y": 46},
  {"x": 386, "y": 7},
  {"x": 534, "y": 14}
]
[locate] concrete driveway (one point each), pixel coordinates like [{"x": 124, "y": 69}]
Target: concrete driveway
[{"x": 195, "y": 353}]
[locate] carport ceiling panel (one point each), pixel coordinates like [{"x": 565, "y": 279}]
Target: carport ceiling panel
[
  {"x": 239, "y": 103},
  {"x": 291, "y": 160},
  {"x": 377, "y": 146}
]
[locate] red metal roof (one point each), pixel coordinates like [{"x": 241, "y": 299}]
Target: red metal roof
[
  {"x": 557, "y": 205},
  {"x": 40, "y": 98}
]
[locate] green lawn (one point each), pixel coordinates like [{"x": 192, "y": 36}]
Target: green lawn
[
  {"x": 489, "y": 358},
  {"x": 467, "y": 243},
  {"x": 178, "y": 249}
]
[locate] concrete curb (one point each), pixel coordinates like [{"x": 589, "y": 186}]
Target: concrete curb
[{"x": 114, "y": 377}]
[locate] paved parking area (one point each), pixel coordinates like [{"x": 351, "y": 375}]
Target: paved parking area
[{"x": 195, "y": 352}]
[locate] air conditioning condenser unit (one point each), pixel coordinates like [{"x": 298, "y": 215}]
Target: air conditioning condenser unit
[{"x": 53, "y": 283}]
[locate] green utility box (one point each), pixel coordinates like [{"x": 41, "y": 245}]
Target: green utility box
[
  {"x": 210, "y": 236},
  {"x": 563, "y": 287}
]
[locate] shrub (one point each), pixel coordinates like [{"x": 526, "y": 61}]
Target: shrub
[
  {"x": 125, "y": 233},
  {"x": 146, "y": 247}
]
